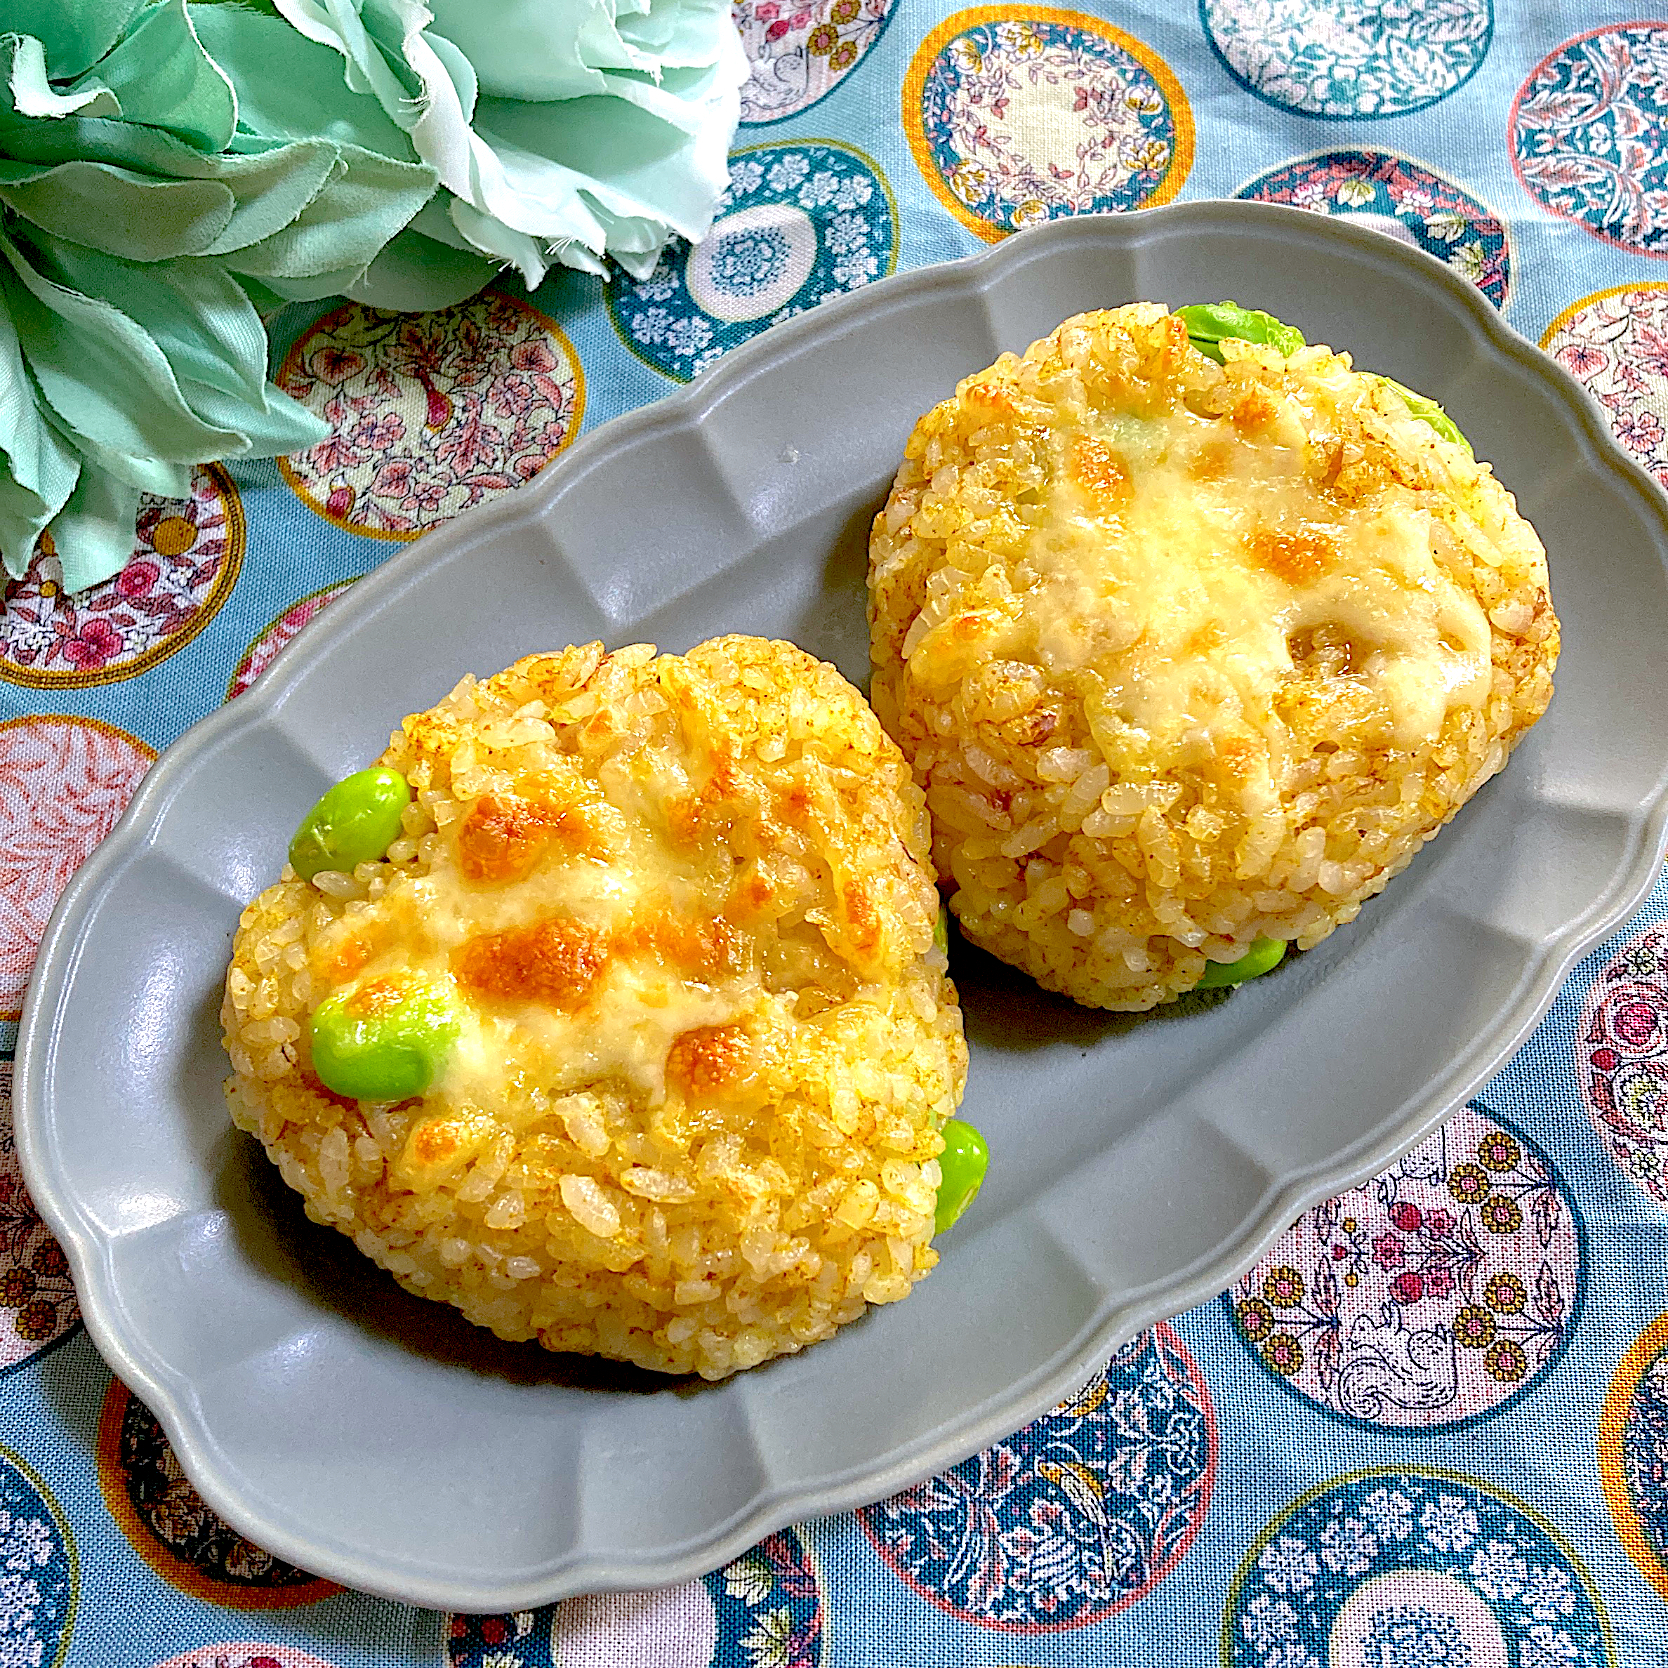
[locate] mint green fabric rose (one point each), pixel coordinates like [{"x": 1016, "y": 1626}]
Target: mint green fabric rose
[
  {"x": 562, "y": 130},
  {"x": 166, "y": 170}
]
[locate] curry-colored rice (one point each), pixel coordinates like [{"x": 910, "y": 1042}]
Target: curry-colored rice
[{"x": 695, "y": 1199}]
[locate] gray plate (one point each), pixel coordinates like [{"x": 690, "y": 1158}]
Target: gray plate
[{"x": 1137, "y": 1165}]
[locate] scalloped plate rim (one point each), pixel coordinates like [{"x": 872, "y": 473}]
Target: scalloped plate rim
[{"x": 1117, "y": 1319}]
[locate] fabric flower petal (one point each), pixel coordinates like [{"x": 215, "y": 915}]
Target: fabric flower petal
[
  {"x": 564, "y": 132},
  {"x": 93, "y": 533},
  {"x": 75, "y": 33},
  {"x": 99, "y": 372},
  {"x": 23, "y": 64},
  {"x": 129, "y": 214},
  {"x": 38, "y": 469},
  {"x": 163, "y": 78},
  {"x": 417, "y": 273}
]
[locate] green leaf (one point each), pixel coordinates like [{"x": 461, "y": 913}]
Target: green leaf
[{"x": 1209, "y": 323}]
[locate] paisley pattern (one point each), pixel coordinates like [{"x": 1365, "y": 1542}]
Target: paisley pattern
[
  {"x": 1412, "y": 1568},
  {"x": 37, "y": 1301},
  {"x": 1018, "y": 114},
  {"x": 431, "y": 413},
  {"x": 798, "y": 224},
  {"x": 1633, "y": 1452},
  {"x": 1615, "y": 344},
  {"x": 279, "y": 632},
  {"x": 1355, "y": 58},
  {"x": 186, "y": 556},
  {"x": 1073, "y": 1518},
  {"x": 798, "y": 54},
  {"x": 1622, "y": 1059},
  {"x": 764, "y": 1610},
  {"x": 39, "y": 1577},
  {"x": 1402, "y": 198},
  {"x": 1589, "y": 134},
  {"x": 169, "y": 1526},
  {"x": 1438, "y": 1293},
  {"x": 64, "y": 782}
]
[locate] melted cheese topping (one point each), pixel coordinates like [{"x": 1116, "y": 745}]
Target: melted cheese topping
[
  {"x": 575, "y": 956},
  {"x": 1184, "y": 562}
]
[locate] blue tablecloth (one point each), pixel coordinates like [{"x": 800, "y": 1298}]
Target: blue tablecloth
[{"x": 1431, "y": 1426}]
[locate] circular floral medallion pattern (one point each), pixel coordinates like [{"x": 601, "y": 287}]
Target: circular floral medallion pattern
[
  {"x": 1386, "y": 1568},
  {"x": 186, "y": 557},
  {"x": 1615, "y": 344},
  {"x": 1018, "y": 114},
  {"x": 39, "y": 1578},
  {"x": 163, "y": 1516},
  {"x": 1405, "y": 200},
  {"x": 798, "y": 224},
  {"x": 1435, "y": 1294},
  {"x": 245, "y": 1654},
  {"x": 1622, "y": 1039},
  {"x": 1633, "y": 1452},
  {"x": 1589, "y": 134},
  {"x": 798, "y": 54},
  {"x": 64, "y": 782},
  {"x": 1073, "y": 1518},
  {"x": 278, "y": 633},
  {"x": 764, "y": 1610},
  {"x": 1341, "y": 61},
  {"x": 37, "y": 1301},
  {"x": 430, "y": 413}
]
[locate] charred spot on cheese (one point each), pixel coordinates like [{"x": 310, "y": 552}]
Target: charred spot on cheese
[
  {"x": 703, "y": 946},
  {"x": 1100, "y": 472},
  {"x": 555, "y": 962},
  {"x": 502, "y": 836},
  {"x": 441, "y": 1143},
  {"x": 710, "y": 1060}
]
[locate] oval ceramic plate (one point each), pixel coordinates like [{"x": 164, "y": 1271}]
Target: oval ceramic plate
[{"x": 1137, "y": 1165}]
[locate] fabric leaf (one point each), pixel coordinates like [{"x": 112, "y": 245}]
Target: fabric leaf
[{"x": 165, "y": 79}]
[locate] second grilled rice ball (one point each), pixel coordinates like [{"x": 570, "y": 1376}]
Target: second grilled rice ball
[
  {"x": 686, "y": 906},
  {"x": 1187, "y": 654}
]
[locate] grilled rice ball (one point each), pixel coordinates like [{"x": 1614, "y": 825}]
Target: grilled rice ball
[
  {"x": 1187, "y": 654},
  {"x": 681, "y": 910}
]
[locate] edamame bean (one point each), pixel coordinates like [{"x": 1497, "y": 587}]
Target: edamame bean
[
  {"x": 1210, "y": 323},
  {"x": 1263, "y": 957},
  {"x": 963, "y": 1163},
  {"x": 383, "y": 1041},
  {"x": 355, "y": 822}
]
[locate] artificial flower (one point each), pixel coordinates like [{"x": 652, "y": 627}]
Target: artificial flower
[
  {"x": 562, "y": 130},
  {"x": 166, "y": 170}
]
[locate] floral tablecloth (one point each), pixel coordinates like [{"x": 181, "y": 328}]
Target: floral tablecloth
[{"x": 1431, "y": 1426}]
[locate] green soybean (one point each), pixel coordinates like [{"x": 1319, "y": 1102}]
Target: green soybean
[
  {"x": 1263, "y": 957},
  {"x": 388, "y": 1049},
  {"x": 1428, "y": 411},
  {"x": 355, "y": 822},
  {"x": 963, "y": 1163},
  {"x": 1210, "y": 323}
]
